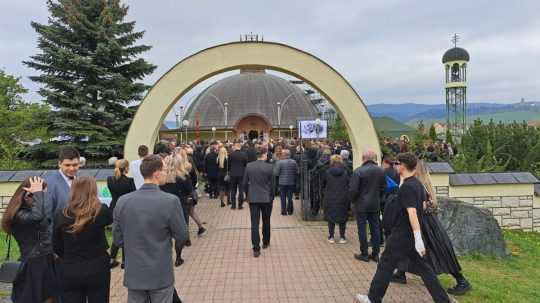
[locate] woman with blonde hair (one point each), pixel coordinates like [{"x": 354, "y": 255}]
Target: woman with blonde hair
[
  {"x": 119, "y": 184},
  {"x": 80, "y": 243},
  {"x": 25, "y": 219},
  {"x": 441, "y": 254},
  {"x": 223, "y": 176},
  {"x": 178, "y": 183}
]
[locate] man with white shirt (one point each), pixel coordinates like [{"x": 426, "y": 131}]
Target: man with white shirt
[
  {"x": 135, "y": 166},
  {"x": 59, "y": 182}
]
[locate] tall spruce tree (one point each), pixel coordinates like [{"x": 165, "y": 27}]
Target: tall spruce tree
[{"x": 90, "y": 70}]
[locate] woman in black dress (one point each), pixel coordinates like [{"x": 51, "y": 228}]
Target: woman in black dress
[
  {"x": 25, "y": 220},
  {"x": 335, "y": 185},
  {"x": 223, "y": 169},
  {"x": 119, "y": 184},
  {"x": 440, "y": 251},
  {"x": 187, "y": 156},
  {"x": 80, "y": 243},
  {"x": 179, "y": 184}
]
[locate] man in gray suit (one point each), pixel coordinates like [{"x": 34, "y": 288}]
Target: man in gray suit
[
  {"x": 259, "y": 179},
  {"x": 145, "y": 222},
  {"x": 59, "y": 182}
]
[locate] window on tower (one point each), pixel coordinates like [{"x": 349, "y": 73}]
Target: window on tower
[{"x": 455, "y": 73}]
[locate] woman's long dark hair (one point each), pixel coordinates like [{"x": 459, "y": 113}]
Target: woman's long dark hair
[{"x": 16, "y": 202}]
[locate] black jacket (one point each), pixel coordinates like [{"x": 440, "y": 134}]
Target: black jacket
[
  {"x": 30, "y": 228},
  {"x": 237, "y": 163},
  {"x": 251, "y": 154},
  {"x": 367, "y": 187},
  {"x": 90, "y": 243},
  {"x": 210, "y": 165},
  {"x": 336, "y": 200},
  {"x": 119, "y": 187}
]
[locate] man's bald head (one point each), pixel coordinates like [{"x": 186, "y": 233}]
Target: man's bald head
[{"x": 369, "y": 155}]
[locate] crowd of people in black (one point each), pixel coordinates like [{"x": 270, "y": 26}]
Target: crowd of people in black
[
  {"x": 59, "y": 223},
  {"x": 432, "y": 151}
]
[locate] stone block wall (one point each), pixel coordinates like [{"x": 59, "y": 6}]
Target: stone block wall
[
  {"x": 4, "y": 200},
  {"x": 512, "y": 212},
  {"x": 536, "y": 217},
  {"x": 442, "y": 191}
]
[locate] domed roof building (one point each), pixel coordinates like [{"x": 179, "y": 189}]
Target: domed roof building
[{"x": 248, "y": 105}]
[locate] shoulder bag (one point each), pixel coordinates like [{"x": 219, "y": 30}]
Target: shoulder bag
[{"x": 9, "y": 269}]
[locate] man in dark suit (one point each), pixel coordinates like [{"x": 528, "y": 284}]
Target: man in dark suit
[
  {"x": 59, "y": 182},
  {"x": 212, "y": 171},
  {"x": 237, "y": 166},
  {"x": 145, "y": 223},
  {"x": 259, "y": 179},
  {"x": 366, "y": 189}
]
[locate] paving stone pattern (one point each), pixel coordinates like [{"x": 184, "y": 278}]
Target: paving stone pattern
[{"x": 299, "y": 266}]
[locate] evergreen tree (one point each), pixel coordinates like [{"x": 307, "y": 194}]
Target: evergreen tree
[
  {"x": 89, "y": 72},
  {"x": 432, "y": 133},
  {"x": 21, "y": 122},
  {"x": 338, "y": 131}
]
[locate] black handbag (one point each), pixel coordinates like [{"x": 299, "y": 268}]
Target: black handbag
[{"x": 9, "y": 269}]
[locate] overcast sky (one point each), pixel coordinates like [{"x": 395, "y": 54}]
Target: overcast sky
[{"x": 390, "y": 51}]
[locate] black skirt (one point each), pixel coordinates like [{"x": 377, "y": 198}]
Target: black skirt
[
  {"x": 37, "y": 280},
  {"x": 440, "y": 251}
]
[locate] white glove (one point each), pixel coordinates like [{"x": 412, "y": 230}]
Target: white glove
[{"x": 419, "y": 243}]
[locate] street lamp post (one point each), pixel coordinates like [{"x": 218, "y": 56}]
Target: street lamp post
[
  {"x": 214, "y": 133},
  {"x": 226, "y": 119},
  {"x": 279, "y": 118},
  {"x": 186, "y": 124},
  {"x": 290, "y": 129}
]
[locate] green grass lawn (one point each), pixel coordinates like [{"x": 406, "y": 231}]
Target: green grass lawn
[{"x": 513, "y": 279}]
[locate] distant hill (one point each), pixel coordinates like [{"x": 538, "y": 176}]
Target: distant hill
[
  {"x": 411, "y": 112},
  {"x": 389, "y": 127}
]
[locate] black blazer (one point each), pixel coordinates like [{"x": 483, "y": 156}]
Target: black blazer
[
  {"x": 119, "y": 187},
  {"x": 237, "y": 163},
  {"x": 90, "y": 243},
  {"x": 367, "y": 187}
]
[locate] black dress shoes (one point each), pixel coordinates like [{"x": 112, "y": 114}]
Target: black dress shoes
[
  {"x": 374, "y": 258},
  {"x": 265, "y": 246},
  {"x": 361, "y": 257},
  {"x": 256, "y": 253},
  {"x": 463, "y": 286}
]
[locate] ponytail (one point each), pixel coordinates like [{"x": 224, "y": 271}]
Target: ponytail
[{"x": 121, "y": 167}]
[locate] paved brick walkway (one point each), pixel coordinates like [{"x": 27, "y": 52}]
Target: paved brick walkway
[{"x": 299, "y": 266}]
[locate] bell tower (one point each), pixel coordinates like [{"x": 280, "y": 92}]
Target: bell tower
[{"x": 455, "y": 64}]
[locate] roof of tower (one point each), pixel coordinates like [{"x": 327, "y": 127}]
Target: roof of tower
[{"x": 455, "y": 54}]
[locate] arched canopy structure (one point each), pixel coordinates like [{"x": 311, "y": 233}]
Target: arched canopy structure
[{"x": 244, "y": 55}]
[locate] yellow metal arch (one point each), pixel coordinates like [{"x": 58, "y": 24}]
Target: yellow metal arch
[{"x": 273, "y": 56}]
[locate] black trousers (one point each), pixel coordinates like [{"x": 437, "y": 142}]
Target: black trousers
[
  {"x": 332, "y": 228},
  {"x": 213, "y": 187},
  {"x": 236, "y": 186},
  {"x": 388, "y": 263},
  {"x": 258, "y": 210},
  {"x": 86, "y": 282},
  {"x": 374, "y": 227}
]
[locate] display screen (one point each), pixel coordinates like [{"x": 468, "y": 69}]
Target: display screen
[{"x": 310, "y": 129}]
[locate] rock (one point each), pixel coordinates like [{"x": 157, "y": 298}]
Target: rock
[{"x": 471, "y": 229}]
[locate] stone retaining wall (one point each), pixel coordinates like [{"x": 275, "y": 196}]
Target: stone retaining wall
[{"x": 512, "y": 212}]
